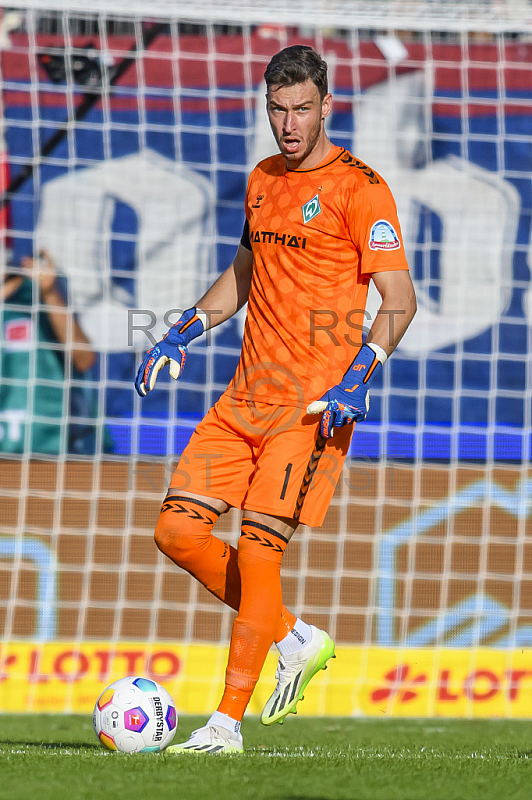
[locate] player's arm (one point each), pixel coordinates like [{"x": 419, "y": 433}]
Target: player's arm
[
  {"x": 224, "y": 298},
  {"x": 396, "y": 311},
  {"x": 230, "y": 291},
  {"x": 348, "y": 402}
]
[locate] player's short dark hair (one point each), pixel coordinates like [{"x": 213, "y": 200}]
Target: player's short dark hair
[{"x": 297, "y": 64}]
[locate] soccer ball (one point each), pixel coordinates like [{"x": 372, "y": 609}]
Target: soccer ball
[{"x": 135, "y": 715}]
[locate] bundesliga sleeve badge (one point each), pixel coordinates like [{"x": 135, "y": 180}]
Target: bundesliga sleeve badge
[{"x": 383, "y": 236}]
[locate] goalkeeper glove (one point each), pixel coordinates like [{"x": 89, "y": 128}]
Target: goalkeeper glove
[
  {"x": 348, "y": 401},
  {"x": 172, "y": 349}
]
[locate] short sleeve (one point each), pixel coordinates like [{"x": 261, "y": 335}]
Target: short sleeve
[
  {"x": 375, "y": 230},
  {"x": 245, "y": 241}
]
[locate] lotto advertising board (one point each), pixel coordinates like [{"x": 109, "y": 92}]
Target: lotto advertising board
[{"x": 360, "y": 682}]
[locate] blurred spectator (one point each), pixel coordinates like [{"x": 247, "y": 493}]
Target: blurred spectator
[{"x": 46, "y": 407}]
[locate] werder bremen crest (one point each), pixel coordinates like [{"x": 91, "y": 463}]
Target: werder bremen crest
[{"x": 311, "y": 209}]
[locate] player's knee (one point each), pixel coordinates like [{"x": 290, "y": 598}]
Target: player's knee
[
  {"x": 178, "y": 536},
  {"x": 166, "y": 533}
]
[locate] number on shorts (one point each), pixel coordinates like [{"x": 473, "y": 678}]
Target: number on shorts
[{"x": 288, "y": 470}]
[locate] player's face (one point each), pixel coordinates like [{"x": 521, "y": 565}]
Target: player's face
[{"x": 297, "y": 115}]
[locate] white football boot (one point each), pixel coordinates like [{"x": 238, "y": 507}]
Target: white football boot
[
  {"x": 210, "y": 739},
  {"x": 293, "y": 674}
]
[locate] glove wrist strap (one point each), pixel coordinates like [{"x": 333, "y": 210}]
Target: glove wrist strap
[
  {"x": 379, "y": 351},
  {"x": 204, "y": 318},
  {"x": 189, "y": 326},
  {"x": 363, "y": 368}
]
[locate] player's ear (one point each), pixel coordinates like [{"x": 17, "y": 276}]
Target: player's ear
[{"x": 326, "y": 105}]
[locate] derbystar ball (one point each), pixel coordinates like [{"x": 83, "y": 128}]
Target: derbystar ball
[{"x": 135, "y": 715}]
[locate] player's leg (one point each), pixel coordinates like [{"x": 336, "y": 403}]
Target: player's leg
[
  {"x": 184, "y": 534},
  {"x": 296, "y": 476},
  {"x": 261, "y": 546},
  {"x": 304, "y": 651},
  {"x": 259, "y": 557},
  {"x": 213, "y": 474}
]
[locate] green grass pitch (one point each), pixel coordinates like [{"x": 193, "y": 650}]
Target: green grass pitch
[{"x": 58, "y": 758}]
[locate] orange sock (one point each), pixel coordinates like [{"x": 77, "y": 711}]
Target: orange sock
[
  {"x": 184, "y": 534},
  {"x": 260, "y": 551}
]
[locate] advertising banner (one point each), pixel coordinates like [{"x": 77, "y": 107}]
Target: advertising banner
[{"x": 361, "y": 681}]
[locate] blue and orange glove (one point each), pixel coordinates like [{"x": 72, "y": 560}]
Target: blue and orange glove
[
  {"x": 172, "y": 349},
  {"x": 348, "y": 401}
]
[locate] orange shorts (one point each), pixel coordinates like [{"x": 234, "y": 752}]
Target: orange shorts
[{"x": 261, "y": 457}]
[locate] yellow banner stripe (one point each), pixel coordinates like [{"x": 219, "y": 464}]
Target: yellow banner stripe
[{"x": 66, "y": 676}]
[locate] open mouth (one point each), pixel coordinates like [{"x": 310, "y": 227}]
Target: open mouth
[{"x": 291, "y": 145}]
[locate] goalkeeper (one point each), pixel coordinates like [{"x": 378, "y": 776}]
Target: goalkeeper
[{"x": 319, "y": 225}]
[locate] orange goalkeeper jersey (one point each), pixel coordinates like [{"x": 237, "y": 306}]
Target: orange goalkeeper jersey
[{"x": 317, "y": 236}]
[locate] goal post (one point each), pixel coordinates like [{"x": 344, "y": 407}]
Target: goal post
[{"x": 128, "y": 142}]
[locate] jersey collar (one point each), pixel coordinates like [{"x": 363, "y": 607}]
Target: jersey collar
[{"x": 333, "y": 155}]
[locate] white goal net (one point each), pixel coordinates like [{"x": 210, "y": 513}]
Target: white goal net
[{"x": 127, "y": 139}]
